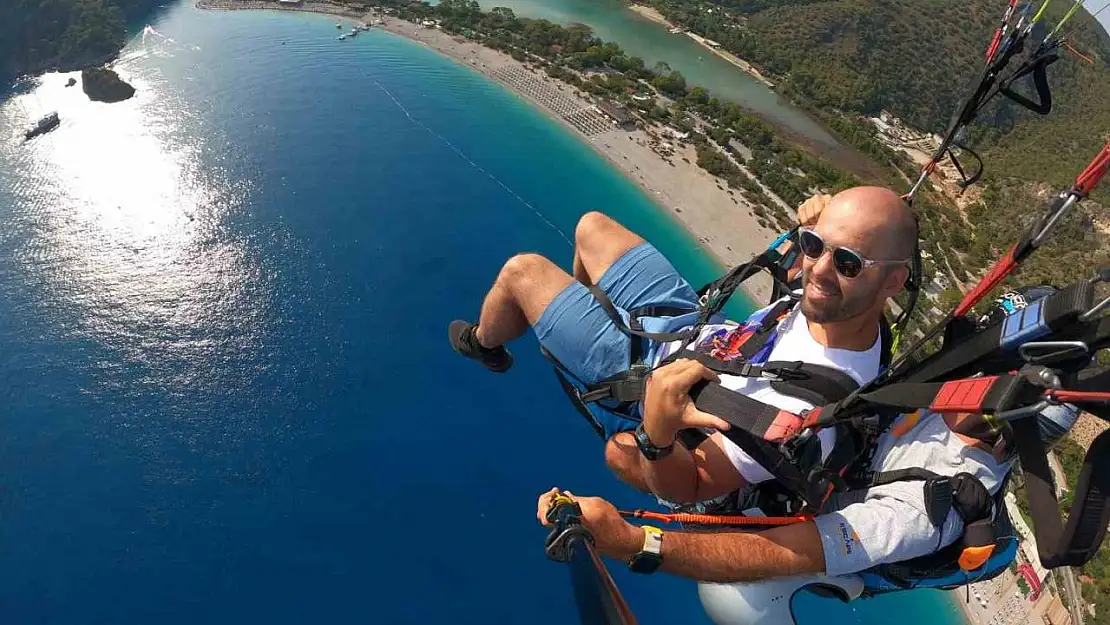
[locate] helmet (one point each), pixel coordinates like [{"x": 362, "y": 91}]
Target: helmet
[{"x": 1054, "y": 421}]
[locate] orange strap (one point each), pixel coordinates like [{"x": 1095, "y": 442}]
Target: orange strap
[{"x": 716, "y": 519}]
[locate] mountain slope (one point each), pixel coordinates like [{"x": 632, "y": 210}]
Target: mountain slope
[{"x": 917, "y": 58}]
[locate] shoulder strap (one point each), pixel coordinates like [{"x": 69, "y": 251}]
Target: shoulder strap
[
  {"x": 886, "y": 343},
  {"x": 815, "y": 384}
]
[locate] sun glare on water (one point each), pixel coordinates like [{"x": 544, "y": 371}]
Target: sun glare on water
[{"x": 130, "y": 224}]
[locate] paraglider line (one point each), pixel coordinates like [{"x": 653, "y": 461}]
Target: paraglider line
[{"x": 466, "y": 158}]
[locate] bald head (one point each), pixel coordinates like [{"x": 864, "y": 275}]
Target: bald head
[
  {"x": 874, "y": 223},
  {"x": 879, "y": 219}
]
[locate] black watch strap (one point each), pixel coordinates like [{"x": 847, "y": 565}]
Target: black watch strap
[{"x": 649, "y": 450}]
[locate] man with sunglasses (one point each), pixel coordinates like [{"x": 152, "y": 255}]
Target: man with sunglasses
[{"x": 856, "y": 248}]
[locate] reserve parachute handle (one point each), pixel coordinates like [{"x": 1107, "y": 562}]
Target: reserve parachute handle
[{"x": 598, "y": 599}]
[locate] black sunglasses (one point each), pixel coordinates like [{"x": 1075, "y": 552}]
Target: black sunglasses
[{"x": 848, "y": 263}]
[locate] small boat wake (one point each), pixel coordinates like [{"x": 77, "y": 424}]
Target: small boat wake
[{"x": 154, "y": 43}]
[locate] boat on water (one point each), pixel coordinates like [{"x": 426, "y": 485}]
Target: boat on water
[
  {"x": 44, "y": 125},
  {"x": 342, "y": 37},
  {"x": 339, "y": 26}
]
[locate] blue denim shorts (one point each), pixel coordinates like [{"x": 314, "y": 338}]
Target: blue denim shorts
[{"x": 575, "y": 329}]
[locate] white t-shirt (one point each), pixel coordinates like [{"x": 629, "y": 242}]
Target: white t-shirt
[{"x": 793, "y": 342}]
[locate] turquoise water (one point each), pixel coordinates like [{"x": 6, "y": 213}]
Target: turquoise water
[{"x": 223, "y": 312}]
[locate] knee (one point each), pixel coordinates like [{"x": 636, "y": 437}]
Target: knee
[
  {"x": 622, "y": 458},
  {"x": 592, "y": 226},
  {"x": 521, "y": 267}
]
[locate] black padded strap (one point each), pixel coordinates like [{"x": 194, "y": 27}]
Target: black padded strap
[
  {"x": 982, "y": 351},
  {"x": 1079, "y": 541},
  {"x": 962, "y": 492},
  {"x": 1089, "y": 515},
  {"x": 740, "y": 411},
  {"x": 903, "y": 475},
  {"x": 815, "y": 384},
  {"x": 1047, "y": 526},
  {"x": 979, "y": 395}
]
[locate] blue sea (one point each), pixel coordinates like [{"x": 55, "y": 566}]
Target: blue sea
[{"x": 229, "y": 396}]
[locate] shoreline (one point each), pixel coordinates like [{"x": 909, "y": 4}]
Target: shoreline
[
  {"x": 722, "y": 223},
  {"x": 964, "y": 608},
  {"x": 653, "y": 14}
]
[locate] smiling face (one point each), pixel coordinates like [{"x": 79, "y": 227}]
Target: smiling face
[{"x": 870, "y": 221}]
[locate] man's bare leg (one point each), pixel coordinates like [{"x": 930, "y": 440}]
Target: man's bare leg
[
  {"x": 522, "y": 291},
  {"x": 598, "y": 242},
  {"x": 528, "y": 282}
]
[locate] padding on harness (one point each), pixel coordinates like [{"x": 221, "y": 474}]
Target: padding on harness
[
  {"x": 945, "y": 569},
  {"x": 972, "y": 502},
  {"x": 990, "y": 350}
]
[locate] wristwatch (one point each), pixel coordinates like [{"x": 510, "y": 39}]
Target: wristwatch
[
  {"x": 650, "y": 451},
  {"x": 650, "y": 557}
]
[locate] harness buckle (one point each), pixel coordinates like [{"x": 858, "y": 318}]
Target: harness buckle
[
  {"x": 632, "y": 387},
  {"x": 1043, "y": 352},
  {"x": 749, "y": 370},
  {"x": 1031, "y": 375},
  {"x": 799, "y": 447}
]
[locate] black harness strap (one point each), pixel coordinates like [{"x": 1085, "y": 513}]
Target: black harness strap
[
  {"x": 741, "y": 412},
  {"x": 1090, "y": 512},
  {"x": 1089, "y": 515},
  {"x": 990, "y": 394},
  {"x": 973, "y": 354},
  {"x": 962, "y": 492},
  {"x": 1040, "y": 80},
  {"x": 611, "y": 310}
]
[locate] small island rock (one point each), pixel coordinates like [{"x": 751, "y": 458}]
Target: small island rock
[{"x": 104, "y": 85}]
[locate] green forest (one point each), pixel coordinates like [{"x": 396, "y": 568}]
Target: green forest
[
  {"x": 39, "y": 35},
  {"x": 915, "y": 58},
  {"x": 845, "y": 59}
]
